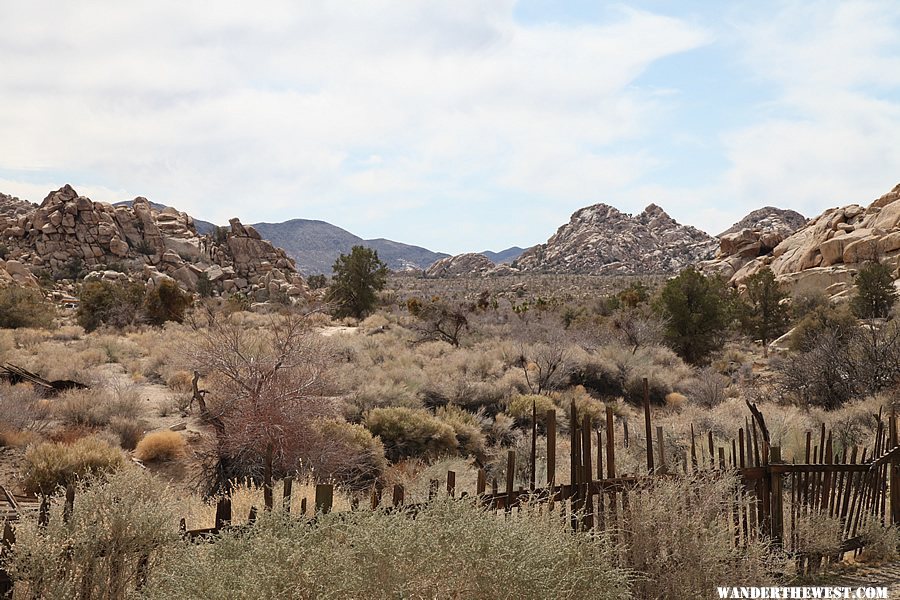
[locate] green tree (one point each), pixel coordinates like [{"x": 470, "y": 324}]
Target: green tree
[
  {"x": 764, "y": 316},
  {"x": 107, "y": 303},
  {"x": 696, "y": 310},
  {"x": 23, "y": 307},
  {"x": 165, "y": 302},
  {"x": 357, "y": 277},
  {"x": 875, "y": 292},
  {"x": 316, "y": 282}
]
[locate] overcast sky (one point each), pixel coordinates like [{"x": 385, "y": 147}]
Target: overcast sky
[{"x": 459, "y": 125}]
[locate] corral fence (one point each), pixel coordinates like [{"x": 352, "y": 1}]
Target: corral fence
[{"x": 856, "y": 488}]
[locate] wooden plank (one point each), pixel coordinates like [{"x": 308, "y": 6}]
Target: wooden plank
[
  {"x": 324, "y": 497},
  {"x": 69, "y": 505},
  {"x": 610, "y": 444},
  {"x": 398, "y": 495},
  {"x": 648, "y": 430},
  {"x": 532, "y": 479},
  {"x": 451, "y": 484},
  {"x": 741, "y": 444},
  {"x": 286, "y": 494},
  {"x": 662, "y": 449},
  {"x": 551, "y": 448},
  {"x": 777, "y": 508},
  {"x": 481, "y": 482},
  {"x": 267, "y": 478},
  {"x": 223, "y": 512},
  {"x": 511, "y": 475},
  {"x": 694, "y": 463},
  {"x": 586, "y": 496}
]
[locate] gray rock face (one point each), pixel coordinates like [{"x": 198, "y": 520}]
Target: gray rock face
[
  {"x": 460, "y": 265},
  {"x": 771, "y": 220},
  {"x": 601, "y": 240},
  {"x": 69, "y": 232}
]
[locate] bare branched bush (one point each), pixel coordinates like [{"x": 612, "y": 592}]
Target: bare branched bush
[{"x": 267, "y": 388}]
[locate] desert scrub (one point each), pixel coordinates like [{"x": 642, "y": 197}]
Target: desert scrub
[
  {"x": 97, "y": 407},
  {"x": 160, "y": 446},
  {"x": 467, "y": 427},
  {"x": 115, "y": 523},
  {"x": 407, "y": 432},
  {"x": 685, "y": 549},
  {"x": 50, "y": 465},
  {"x": 348, "y": 454},
  {"x": 450, "y": 549}
]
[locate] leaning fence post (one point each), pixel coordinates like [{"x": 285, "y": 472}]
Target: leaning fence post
[
  {"x": 895, "y": 469},
  {"x": 776, "y": 505}
]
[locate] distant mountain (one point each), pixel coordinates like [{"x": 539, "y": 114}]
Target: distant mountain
[
  {"x": 315, "y": 245},
  {"x": 504, "y": 256},
  {"x": 601, "y": 240}
]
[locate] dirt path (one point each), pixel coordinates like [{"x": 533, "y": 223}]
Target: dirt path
[{"x": 886, "y": 575}]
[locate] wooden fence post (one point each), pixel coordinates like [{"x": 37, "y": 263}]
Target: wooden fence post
[
  {"x": 647, "y": 426},
  {"x": 551, "y": 449},
  {"x": 451, "y": 483},
  {"x": 267, "y": 479},
  {"x": 223, "y": 512},
  {"x": 776, "y": 506},
  {"x": 324, "y": 497},
  {"x": 510, "y": 477},
  {"x": 895, "y": 470},
  {"x": 398, "y": 495},
  {"x": 286, "y": 494},
  {"x": 69, "y": 505},
  {"x": 532, "y": 480}
]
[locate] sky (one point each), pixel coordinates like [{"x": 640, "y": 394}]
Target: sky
[{"x": 458, "y": 125}]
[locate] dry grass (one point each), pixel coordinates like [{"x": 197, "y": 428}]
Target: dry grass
[
  {"x": 49, "y": 465},
  {"x": 160, "y": 446}
]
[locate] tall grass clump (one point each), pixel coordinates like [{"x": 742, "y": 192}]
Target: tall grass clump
[
  {"x": 50, "y": 465},
  {"x": 97, "y": 553},
  {"x": 682, "y": 543},
  {"x": 450, "y": 549}
]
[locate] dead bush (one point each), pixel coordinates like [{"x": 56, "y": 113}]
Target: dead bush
[{"x": 160, "y": 446}]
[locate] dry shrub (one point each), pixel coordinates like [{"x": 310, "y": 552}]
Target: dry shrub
[
  {"x": 160, "y": 446},
  {"x": 880, "y": 543},
  {"x": 708, "y": 388},
  {"x": 407, "y": 432},
  {"x": 12, "y": 438},
  {"x": 684, "y": 549},
  {"x": 347, "y": 454},
  {"x": 449, "y": 549},
  {"x": 675, "y": 400},
  {"x": 51, "y": 464},
  {"x": 470, "y": 438},
  {"x": 21, "y": 409},
  {"x": 97, "y": 553},
  {"x": 520, "y": 407},
  {"x": 585, "y": 405},
  {"x": 180, "y": 381},
  {"x": 129, "y": 431},
  {"x": 96, "y": 407}
]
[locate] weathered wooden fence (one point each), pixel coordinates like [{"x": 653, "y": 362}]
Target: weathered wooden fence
[{"x": 776, "y": 499}]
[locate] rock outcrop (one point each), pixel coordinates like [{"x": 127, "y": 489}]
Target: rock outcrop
[
  {"x": 601, "y": 240},
  {"x": 460, "y": 265},
  {"x": 827, "y": 251},
  {"x": 12, "y": 272},
  {"x": 67, "y": 234}
]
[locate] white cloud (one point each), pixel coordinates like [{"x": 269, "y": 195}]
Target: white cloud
[
  {"x": 274, "y": 110},
  {"x": 829, "y": 137}
]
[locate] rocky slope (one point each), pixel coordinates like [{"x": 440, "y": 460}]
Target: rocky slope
[
  {"x": 826, "y": 253},
  {"x": 601, "y": 240},
  {"x": 68, "y": 233},
  {"x": 460, "y": 265},
  {"x": 769, "y": 219},
  {"x": 504, "y": 256}
]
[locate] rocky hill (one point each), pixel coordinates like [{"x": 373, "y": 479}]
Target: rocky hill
[
  {"x": 769, "y": 219},
  {"x": 460, "y": 265},
  {"x": 826, "y": 253},
  {"x": 202, "y": 227},
  {"x": 68, "y": 234},
  {"x": 601, "y": 240}
]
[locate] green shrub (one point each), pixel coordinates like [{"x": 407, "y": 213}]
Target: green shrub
[
  {"x": 449, "y": 549},
  {"x": 106, "y": 303},
  {"x": 165, "y": 302},
  {"x": 23, "y": 307},
  {"x": 696, "y": 311},
  {"x": 470, "y": 438},
  {"x": 520, "y": 406},
  {"x": 349, "y": 454},
  {"x": 409, "y": 432},
  {"x": 50, "y": 465}
]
